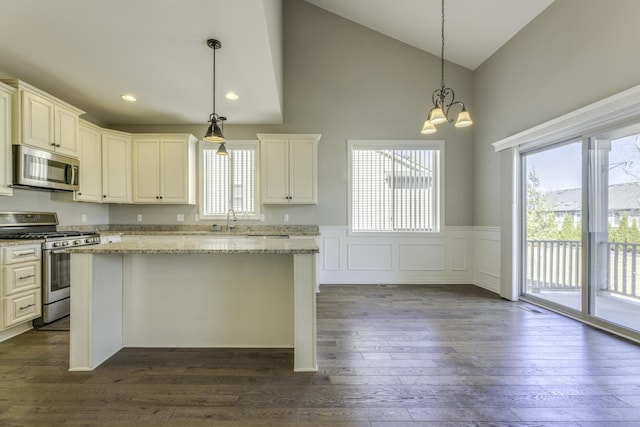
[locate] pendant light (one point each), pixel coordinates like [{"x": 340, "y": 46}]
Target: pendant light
[
  {"x": 214, "y": 132},
  {"x": 443, "y": 99}
]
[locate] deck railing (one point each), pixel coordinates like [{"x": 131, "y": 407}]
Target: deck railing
[{"x": 555, "y": 265}]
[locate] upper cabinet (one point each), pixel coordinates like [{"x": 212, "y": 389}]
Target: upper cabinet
[
  {"x": 289, "y": 168},
  {"x": 43, "y": 121},
  {"x": 90, "y": 156},
  {"x": 6, "y": 93},
  {"x": 116, "y": 167},
  {"x": 164, "y": 168}
]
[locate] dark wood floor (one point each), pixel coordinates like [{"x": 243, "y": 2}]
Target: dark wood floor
[{"x": 388, "y": 356}]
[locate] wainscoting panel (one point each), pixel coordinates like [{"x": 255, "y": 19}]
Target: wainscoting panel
[
  {"x": 331, "y": 247},
  {"x": 443, "y": 258},
  {"x": 457, "y": 255},
  {"x": 368, "y": 257},
  {"x": 460, "y": 248},
  {"x": 487, "y": 258},
  {"x": 421, "y": 257}
]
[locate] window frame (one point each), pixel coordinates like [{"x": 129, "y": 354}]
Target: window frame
[
  {"x": 230, "y": 145},
  {"x": 438, "y": 199}
]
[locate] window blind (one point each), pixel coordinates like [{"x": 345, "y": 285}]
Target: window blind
[
  {"x": 393, "y": 189},
  {"x": 229, "y": 182}
]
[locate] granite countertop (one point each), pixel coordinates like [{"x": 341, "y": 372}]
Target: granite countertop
[
  {"x": 194, "y": 244},
  {"x": 151, "y": 229}
]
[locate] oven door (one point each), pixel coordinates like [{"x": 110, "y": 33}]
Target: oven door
[{"x": 56, "y": 281}]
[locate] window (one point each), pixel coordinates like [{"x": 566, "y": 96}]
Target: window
[
  {"x": 230, "y": 182},
  {"x": 395, "y": 186}
]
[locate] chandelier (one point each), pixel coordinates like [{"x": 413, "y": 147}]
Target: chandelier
[{"x": 443, "y": 99}]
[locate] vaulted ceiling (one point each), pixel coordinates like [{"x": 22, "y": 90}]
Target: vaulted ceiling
[{"x": 90, "y": 52}]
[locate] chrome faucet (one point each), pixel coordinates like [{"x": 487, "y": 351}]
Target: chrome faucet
[{"x": 231, "y": 225}]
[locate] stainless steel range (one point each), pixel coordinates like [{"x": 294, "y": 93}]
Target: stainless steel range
[{"x": 55, "y": 263}]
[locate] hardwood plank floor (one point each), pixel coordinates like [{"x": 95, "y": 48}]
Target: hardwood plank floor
[{"x": 389, "y": 356}]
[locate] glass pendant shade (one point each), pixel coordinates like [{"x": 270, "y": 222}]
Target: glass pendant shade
[
  {"x": 437, "y": 116},
  {"x": 428, "y": 128},
  {"x": 463, "y": 120},
  {"x": 222, "y": 150},
  {"x": 214, "y": 134}
]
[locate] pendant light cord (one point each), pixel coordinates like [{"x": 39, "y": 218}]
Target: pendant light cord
[{"x": 214, "y": 79}]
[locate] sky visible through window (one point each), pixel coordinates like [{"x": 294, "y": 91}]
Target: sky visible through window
[{"x": 560, "y": 168}]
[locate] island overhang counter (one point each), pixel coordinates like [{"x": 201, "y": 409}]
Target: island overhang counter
[{"x": 193, "y": 291}]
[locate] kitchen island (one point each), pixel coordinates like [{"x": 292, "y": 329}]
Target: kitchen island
[{"x": 193, "y": 291}]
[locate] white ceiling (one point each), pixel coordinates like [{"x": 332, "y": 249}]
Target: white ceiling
[{"x": 89, "y": 52}]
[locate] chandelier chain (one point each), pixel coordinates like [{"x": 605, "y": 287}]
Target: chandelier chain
[{"x": 442, "y": 49}]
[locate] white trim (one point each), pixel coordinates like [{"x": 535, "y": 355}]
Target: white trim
[
  {"x": 610, "y": 111},
  {"x": 314, "y": 136}
]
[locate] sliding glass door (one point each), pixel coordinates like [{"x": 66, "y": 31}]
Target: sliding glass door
[
  {"x": 552, "y": 211},
  {"x": 581, "y": 227},
  {"x": 614, "y": 236}
]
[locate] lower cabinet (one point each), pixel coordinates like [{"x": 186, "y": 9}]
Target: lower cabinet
[{"x": 20, "y": 284}]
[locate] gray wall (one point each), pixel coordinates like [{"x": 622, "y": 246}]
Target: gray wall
[
  {"x": 69, "y": 212},
  {"x": 573, "y": 54},
  {"x": 346, "y": 82}
]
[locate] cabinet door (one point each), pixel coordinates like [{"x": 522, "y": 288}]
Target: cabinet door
[
  {"x": 116, "y": 168},
  {"x": 90, "y": 179},
  {"x": 275, "y": 170},
  {"x": 37, "y": 121},
  {"x": 22, "y": 307},
  {"x": 66, "y": 132},
  {"x": 5, "y": 144},
  {"x": 174, "y": 176},
  {"x": 146, "y": 173},
  {"x": 302, "y": 171}
]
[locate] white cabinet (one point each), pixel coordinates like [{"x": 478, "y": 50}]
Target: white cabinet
[
  {"x": 164, "y": 168},
  {"x": 116, "y": 167},
  {"x": 43, "y": 121},
  {"x": 90, "y": 156},
  {"x": 20, "y": 285},
  {"x": 289, "y": 168},
  {"x": 6, "y": 168}
]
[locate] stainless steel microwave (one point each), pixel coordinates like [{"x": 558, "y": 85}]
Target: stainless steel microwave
[{"x": 43, "y": 169}]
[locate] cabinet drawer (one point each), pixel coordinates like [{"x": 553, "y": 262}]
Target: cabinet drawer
[
  {"x": 21, "y": 253},
  {"x": 22, "y": 307},
  {"x": 21, "y": 277}
]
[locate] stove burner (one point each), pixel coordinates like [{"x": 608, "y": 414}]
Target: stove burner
[{"x": 42, "y": 235}]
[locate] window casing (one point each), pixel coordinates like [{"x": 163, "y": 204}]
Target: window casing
[
  {"x": 229, "y": 182},
  {"x": 395, "y": 186}
]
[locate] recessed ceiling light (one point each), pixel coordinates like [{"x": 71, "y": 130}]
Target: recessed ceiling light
[
  {"x": 128, "y": 97},
  {"x": 231, "y": 96}
]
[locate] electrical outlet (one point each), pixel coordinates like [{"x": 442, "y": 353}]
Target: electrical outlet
[
  {"x": 84, "y": 218},
  {"x": 180, "y": 218},
  {"x": 286, "y": 218},
  {"x": 261, "y": 217},
  {"x": 139, "y": 217}
]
